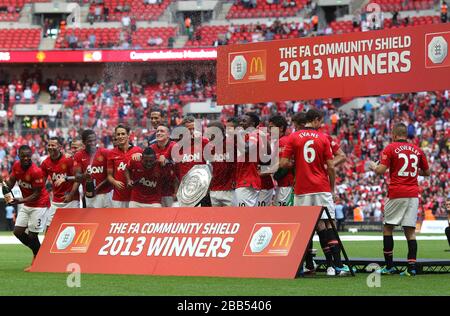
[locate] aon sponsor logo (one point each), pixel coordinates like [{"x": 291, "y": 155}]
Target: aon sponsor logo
[
  {"x": 95, "y": 170},
  {"x": 191, "y": 157},
  {"x": 122, "y": 166},
  {"x": 221, "y": 157},
  {"x": 58, "y": 176},
  {"x": 24, "y": 185},
  {"x": 148, "y": 183}
]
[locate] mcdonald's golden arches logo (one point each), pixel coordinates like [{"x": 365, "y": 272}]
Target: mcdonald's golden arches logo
[
  {"x": 247, "y": 66},
  {"x": 83, "y": 237},
  {"x": 256, "y": 66},
  {"x": 282, "y": 238}
]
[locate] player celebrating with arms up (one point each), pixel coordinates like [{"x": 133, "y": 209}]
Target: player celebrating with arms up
[
  {"x": 35, "y": 199},
  {"x": 405, "y": 162}
]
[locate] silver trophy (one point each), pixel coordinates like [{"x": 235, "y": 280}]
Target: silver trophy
[{"x": 194, "y": 186}]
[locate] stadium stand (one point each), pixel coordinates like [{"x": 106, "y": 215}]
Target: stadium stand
[
  {"x": 262, "y": 9},
  {"x": 28, "y": 38},
  {"x": 401, "y": 5},
  {"x": 116, "y": 9}
]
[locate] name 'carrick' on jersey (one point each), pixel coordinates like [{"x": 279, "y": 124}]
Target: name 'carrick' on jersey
[
  {"x": 404, "y": 161},
  {"x": 28, "y": 180},
  {"x": 96, "y": 166},
  {"x": 311, "y": 150},
  {"x": 58, "y": 169},
  {"x": 117, "y": 161}
]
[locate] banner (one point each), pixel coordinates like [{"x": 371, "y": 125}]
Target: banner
[
  {"x": 106, "y": 56},
  {"x": 356, "y": 64},
  {"x": 224, "y": 242},
  {"x": 434, "y": 227}
]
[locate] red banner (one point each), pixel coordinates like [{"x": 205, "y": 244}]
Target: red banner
[
  {"x": 226, "y": 242},
  {"x": 106, "y": 56},
  {"x": 357, "y": 64}
]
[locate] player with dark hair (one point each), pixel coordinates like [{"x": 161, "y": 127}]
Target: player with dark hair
[
  {"x": 315, "y": 185},
  {"x": 118, "y": 158},
  {"x": 91, "y": 165},
  {"x": 283, "y": 176},
  {"x": 231, "y": 125},
  {"x": 221, "y": 187},
  {"x": 299, "y": 120},
  {"x": 36, "y": 201},
  {"x": 155, "y": 120},
  {"x": 248, "y": 181},
  {"x": 189, "y": 152},
  {"x": 144, "y": 178},
  {"x": 163, "y": 149},
  {"x": 60, "y": 170},
  {"x": 405, "y": 162}
]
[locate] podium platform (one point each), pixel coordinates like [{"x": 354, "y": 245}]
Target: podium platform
[{"x": 424, "y": 266}]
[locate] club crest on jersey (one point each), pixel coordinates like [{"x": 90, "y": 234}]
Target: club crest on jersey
[
  {"x": 122, "y": 166},
  {"x": 191, "y": 157},
  {"x": 148, "y": 183},
  {"x": 94, "y": 170},
  {"x": 27, "y": 178},
  {"x": 100, "y": 158},
  {"x": 63, "y": 166},
  {"x": 24, "y": 184}
]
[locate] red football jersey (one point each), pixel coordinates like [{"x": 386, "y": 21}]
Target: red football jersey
[
  {"x": 169, "y": 170},
  {"x": 147, "y": 183},
  {"x": 223, "y": 171},
  {"x": 266, "y": 182},
  {"x": 247, "y": 171},
  {"x": 117, "y": 161},
  {"x": 61, "y": 168},
  {"x": 96, "y": 166},
  {"x": 404, "y": 161},
  {"x": 28, "y": 180},
  {"x": 287, "y": 180},
  {"x": 186, "y": 160},
  {"x": 311, "y": 150}
]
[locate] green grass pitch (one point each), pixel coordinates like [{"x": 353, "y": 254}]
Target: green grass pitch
[{"x": 13, "y": 258}]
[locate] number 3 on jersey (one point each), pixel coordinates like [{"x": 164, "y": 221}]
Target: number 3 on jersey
[
  {"x": 308, "y": 152},
  {"x": 402, "y": 172}
]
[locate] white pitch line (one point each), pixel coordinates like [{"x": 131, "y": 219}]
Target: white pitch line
[
  {"x": 11, "y": 240},
  {"x": 380, "y": 238}
]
